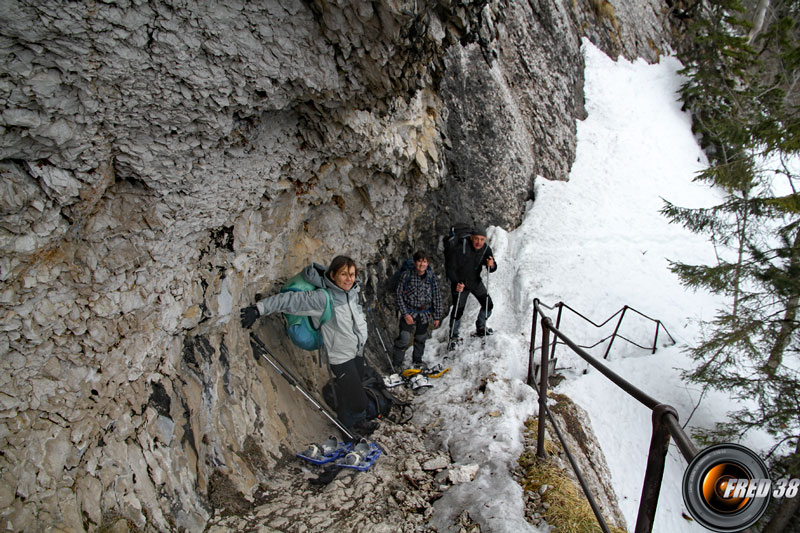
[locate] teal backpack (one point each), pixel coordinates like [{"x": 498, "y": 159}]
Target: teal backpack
[{"x": 299, "y": 328}]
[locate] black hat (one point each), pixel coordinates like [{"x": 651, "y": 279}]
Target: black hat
[{"x": 479, "y": 230}]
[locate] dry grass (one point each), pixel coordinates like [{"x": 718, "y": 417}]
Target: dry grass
[{"x": 567, "y": 511}]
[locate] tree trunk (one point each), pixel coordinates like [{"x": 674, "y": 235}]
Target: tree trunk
[
  {"x": 742, "y": 228},
  {"x": 780, "y": 520},
  {"x": 758, "y": 20},
  {"x": 788, "y": 509},
  {"x": 789, "y": 323}
]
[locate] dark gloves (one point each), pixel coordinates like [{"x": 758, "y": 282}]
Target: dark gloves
[{"x": 248, "y": 315}]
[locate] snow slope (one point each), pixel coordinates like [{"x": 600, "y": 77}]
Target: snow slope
[{"x": 596, "y": 242}]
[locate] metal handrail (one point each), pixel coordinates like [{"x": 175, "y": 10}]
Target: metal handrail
[
  {"x": 624, "y": 309},
  {"x": 665, "y": 420}
]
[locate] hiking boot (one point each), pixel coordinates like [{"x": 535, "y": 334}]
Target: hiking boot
[
  {"x": 454, "y": 343},
  {"x": 483, "y": 332}
]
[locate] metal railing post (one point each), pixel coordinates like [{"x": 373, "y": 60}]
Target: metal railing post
[
  {"x": 546, "y": 325},
  {"x": 560, "y": 306},
  {"x": 532, "y": 351},
  {"x": 655, "y": 341},
  {"x": 656, "y": 458},
  {"x": 555, "y": 341},
  {"x": 682, "y": 440},
  {"x": 614, "y": 336},
  {"x": 664, "y": 419}
]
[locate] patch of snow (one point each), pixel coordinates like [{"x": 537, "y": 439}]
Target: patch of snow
[{"x": 596, "y": 243}]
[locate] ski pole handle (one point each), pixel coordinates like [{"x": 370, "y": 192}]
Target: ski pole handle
[
  {"x": 255, "y": 342},
  {"x": 264, "y": 351}
]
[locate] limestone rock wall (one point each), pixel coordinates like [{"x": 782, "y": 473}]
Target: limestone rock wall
[{"x": 163, "y": 162}]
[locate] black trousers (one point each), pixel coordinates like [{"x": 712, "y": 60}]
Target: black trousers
[
  {"x": 351, "y": 400},
  {"x": 419, "y": 329},
  {"x": 460, "y": 302}
]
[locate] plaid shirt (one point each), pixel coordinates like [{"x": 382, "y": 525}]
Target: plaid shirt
[{"x": 419, "y": 296}]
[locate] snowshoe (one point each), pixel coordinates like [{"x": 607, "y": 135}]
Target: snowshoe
[
  {"x": 393, "y": 381},
  {"x": 362, "y": 457},
  {"x": 436, "y": 371},
  {"x": 411, "y": 372},
  {"x": 329, "y": 451},
  {"x": 419, "y": 384}
]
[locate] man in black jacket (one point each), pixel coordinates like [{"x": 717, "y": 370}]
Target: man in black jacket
[{"x": 464, "y": 258}]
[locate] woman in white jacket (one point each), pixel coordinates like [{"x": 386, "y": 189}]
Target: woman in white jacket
[{"x": 344, "y": 335}]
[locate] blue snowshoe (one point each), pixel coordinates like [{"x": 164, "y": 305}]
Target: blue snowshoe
[
  {"x": 331, "y": 450},
  {"x": 362, "y": 457}
]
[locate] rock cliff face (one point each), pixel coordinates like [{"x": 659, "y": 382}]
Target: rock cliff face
[{"x": 162, "y": 162}]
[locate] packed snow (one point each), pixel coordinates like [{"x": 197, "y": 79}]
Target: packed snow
[{"x": 597, "y": 243}]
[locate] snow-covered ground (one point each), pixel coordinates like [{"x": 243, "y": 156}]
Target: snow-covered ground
[{"x": 596, "y": 243}]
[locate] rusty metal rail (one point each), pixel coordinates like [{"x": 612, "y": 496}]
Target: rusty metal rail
[
  {"x": 561, "y": 306},
  {"x": 665, "y": 419}
]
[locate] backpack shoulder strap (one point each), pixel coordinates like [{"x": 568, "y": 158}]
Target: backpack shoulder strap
[
  {"x": 405, "y": 278},
  {"x": 328, "y": 313}
]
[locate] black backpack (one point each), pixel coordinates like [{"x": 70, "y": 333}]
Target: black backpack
[
  {"x": 380, "y": 402},
  {"x": 458, "y": 232},
  {"x": 405, "y": 266}
]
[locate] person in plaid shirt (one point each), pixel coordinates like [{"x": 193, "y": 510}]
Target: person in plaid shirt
[{"x": 419, "y": 301}]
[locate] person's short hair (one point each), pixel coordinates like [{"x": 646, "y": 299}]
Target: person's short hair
[
  {"x": 339, "y": 262},
  {"x": 419, "y": 254}
]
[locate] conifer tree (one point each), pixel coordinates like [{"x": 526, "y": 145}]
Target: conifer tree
[{"x": 742, "y": 92}]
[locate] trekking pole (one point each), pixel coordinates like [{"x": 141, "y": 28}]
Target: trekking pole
[
  {"x": 486, "y": 311},
  {"x": 485, "y": 325},
  {"x": 377, "y": 330},
  {"x": 259, "y": 346},
  {"x": 380, "y": 338},
  {"x": 455, "y": 310}
]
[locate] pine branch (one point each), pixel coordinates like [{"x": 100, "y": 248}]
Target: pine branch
[{"x": 738, "y": 98}]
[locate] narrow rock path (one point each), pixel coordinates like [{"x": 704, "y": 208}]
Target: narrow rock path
[{"x": 396, "y": 495}]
